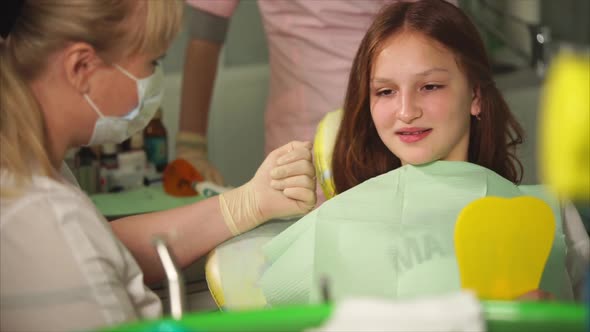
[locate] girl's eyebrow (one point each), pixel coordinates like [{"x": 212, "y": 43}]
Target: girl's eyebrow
[
  {"x": 432, "y": 70},
  {"x": 381, "y": 80},
  {"x": 424, "y": 73}
]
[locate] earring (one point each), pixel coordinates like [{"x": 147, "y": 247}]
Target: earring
[{"x": 478, "y": 117}]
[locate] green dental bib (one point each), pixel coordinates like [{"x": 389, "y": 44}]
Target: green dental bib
[{"x": 392, "y": 236}]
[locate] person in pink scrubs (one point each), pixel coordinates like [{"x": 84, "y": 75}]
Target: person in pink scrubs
[{"x": 311, "y": 45}]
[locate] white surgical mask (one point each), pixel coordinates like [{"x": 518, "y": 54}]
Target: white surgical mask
[{"x": 111, "y": 129}]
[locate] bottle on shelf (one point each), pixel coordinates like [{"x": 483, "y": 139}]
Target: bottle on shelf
[
  {"x": 136, "y": 142},
  {"x": 109, "y": 163},
  {"x": 155, "y": 140},
  {"x": 88, "y": 170},
  {"x": 133, "y": 155},
  {"x": 108, "y": 157},
  {"x": 125, "y": 145}
]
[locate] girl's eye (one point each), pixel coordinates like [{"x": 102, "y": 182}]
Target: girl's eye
[
  {"x": 384, "y": 92},
  {"x": 432, "y": 87}
]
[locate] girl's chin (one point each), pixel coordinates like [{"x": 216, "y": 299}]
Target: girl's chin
[{"x": 417, "y": 160}]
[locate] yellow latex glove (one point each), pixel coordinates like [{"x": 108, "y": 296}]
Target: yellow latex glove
[
  {"x": 283, "y": 186},
  {"x": 193, "y": 148}
]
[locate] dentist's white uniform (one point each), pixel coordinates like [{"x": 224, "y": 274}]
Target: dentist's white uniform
[{"x": 61, "y": 266}]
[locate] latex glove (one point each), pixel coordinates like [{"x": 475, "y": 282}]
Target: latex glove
[
  {"x": 284, "y": 185},
  {"x": 193, "y": 148}
]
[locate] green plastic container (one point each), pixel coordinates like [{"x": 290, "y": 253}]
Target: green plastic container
[{"x": 500, "y": 316}]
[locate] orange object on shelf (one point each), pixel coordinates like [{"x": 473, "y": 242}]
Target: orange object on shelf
[{"x": 180, "y": 177}]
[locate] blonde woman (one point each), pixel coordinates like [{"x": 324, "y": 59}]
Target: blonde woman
[{"x": 86, "y": 72}]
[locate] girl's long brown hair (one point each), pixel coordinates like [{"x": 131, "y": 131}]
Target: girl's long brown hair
[{"x": 359, "y": 153}]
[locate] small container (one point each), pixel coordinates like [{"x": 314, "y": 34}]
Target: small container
[
  {"x": 155, "y": 140},
  {"x": 134, "y": 160},
  {"x": 109, "y": 162},
  {"x": 125, "y": 145},
  {"x": 108, "y": 158},
  {"x": 136, "y": 142},
  {"x": 88, "y": 170}
]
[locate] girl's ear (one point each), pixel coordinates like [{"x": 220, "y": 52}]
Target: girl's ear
[{"x": 476, "y": 102}]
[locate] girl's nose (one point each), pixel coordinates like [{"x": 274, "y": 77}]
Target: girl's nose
[{"x": 409, "y": 109}]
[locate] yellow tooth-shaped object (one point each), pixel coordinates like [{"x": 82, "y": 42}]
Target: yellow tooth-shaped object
[{"x": 502, "y": 245}]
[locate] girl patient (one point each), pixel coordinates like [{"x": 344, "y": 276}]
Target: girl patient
[{"x": 424, "y": 132}]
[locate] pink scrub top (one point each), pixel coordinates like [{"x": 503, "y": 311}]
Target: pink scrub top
[{"x": 311, "y": 47}]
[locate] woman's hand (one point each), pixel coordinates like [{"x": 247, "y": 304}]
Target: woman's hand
[
  {"x": 284, "y": 185},
  {"x": 536, "y": 295}
]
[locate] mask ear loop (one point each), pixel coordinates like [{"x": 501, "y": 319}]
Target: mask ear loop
[
  {"x": 128, "y": 74},
  {"x": 93, "y": 105},
  {"x": 141, "y": 91}
]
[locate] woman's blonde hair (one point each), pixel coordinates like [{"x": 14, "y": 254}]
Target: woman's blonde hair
[{"x": 115, "y": 28}]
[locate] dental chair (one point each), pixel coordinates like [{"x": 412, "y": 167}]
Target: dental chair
[
  {"x": 255, "y": 239},
  {"x": 233, "y": 284},
  {"x": 214, "y": 279}
]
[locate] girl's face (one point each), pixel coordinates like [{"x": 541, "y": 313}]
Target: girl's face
[{"x": 421, "y": 102}]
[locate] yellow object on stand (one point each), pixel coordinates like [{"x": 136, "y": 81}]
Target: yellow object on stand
[
  {"x": 565, "y": 127},
  {"x": 502, "y": 245}
]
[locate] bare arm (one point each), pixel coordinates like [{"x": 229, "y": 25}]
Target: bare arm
[
  {"x": 191, "y": 230},
  {"x": 200, "y": 70},
  {"x": 207, "y": 33}
]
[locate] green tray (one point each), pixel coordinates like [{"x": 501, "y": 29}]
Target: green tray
[{"x": 501, "y": 316}]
